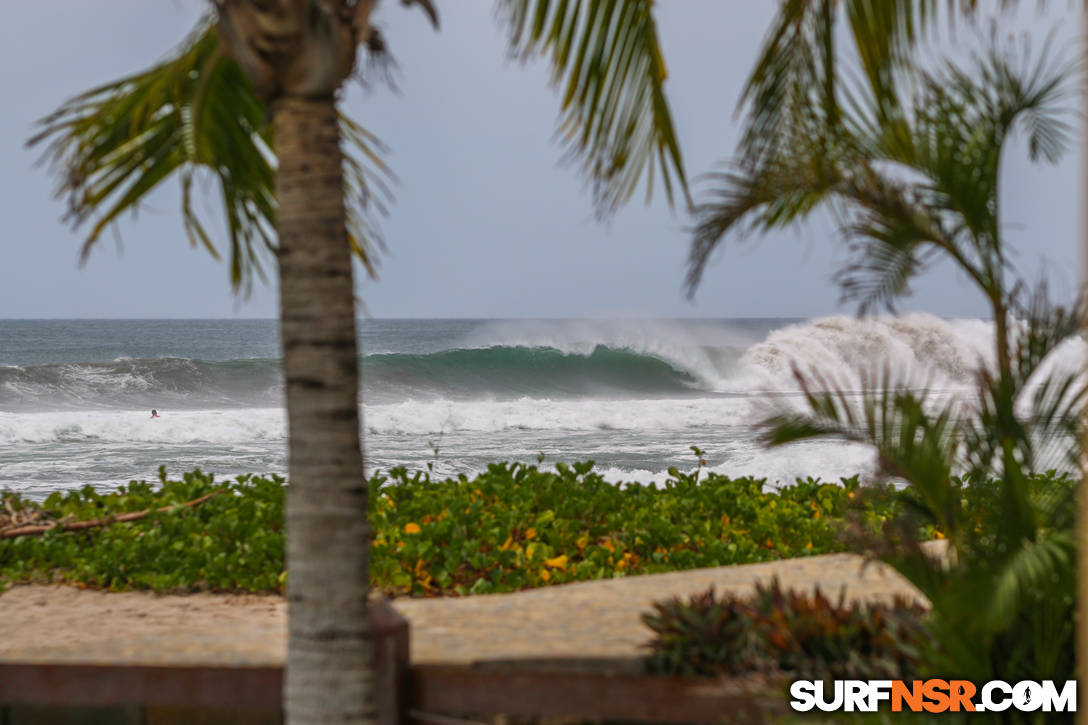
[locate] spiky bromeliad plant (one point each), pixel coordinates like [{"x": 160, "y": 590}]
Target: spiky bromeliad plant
[
  {"x": 908, "y": 161},
  {"x": 806, "y": 635},
  {"x": 259, "y": 80}
]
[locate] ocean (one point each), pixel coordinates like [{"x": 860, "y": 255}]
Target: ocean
[{"x": 632, "y": 395}]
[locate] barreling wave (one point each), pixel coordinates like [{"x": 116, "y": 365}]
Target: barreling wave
[
  {"x": 518, "y": 371},
  {"x": 926, "y": 350}
]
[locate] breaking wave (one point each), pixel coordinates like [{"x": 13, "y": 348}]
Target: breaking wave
[{"x": 921, "y": 349}]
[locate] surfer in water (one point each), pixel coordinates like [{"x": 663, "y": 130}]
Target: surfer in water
[{"x": 154, "y": 413}]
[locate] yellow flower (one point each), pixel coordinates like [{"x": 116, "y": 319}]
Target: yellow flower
[
  {"x": 725, "y": 520},
  {"x": 530, "y": 534},
  {"x": 412, "y": 528},
  {"x": 558, "y": 562},
  {"x": 507, "y": 544},
  {"x": 938, "y": 534},
  {"x": 545, "y": 574},
  {"x": 808, "y": 545}
]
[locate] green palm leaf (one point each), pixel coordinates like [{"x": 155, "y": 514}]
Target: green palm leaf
[
  {"x": 799, "y": 69},
  {"x": 607, "y": 62},
  {"x": 909, "y": 179},
  {"x": 194, "y": 116},
  {"x": 909, "y": 163},
  {"x": 915, "y": 437}
]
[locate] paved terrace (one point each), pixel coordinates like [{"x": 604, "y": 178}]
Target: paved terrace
[{"x": 566, "y": 625}]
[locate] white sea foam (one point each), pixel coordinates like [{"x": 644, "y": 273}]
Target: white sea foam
[
  {"x": 238, "y": 426},
  {"x": 779, "y": 466},
  {"x": 182, "y": 427},
  {"x": 918, "y": 349},
  {"x": 528, "y": 414}
]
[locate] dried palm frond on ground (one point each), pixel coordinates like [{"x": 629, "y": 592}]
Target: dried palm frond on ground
[
  {"x": 24, "y": 518},
  {"x": 17, "y": 513}
]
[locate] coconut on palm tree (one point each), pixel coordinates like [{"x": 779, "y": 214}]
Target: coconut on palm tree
[{"x": 251, "y": 101}]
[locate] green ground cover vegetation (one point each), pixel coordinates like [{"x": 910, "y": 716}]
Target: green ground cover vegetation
[{"x": 512, "y": 527}]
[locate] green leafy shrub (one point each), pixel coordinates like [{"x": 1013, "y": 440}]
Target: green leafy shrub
[
  {"x": 515, "y": 526},
  {"x": 233, "y": 541},
  {"x": 805, "y": 635},
  {"x": 512, "y": 527}
]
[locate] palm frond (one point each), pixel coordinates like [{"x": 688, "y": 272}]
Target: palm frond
[
  {"x": 892, "y": 238},
  {"x": 1058, "y": 404},
  {"x": 607, "y": 63},
  {"x": 962, "y": 119},
  {"x": 190, "y": 117},
  {"x": 1039, "y": 410},
  {"x": 882, "y": 270},
  {"x": 793, "y": 77},
  {"x": 912, "y": 177},
  {"x": 1033, "y": 565},
  {"x": 916, "y": 438},
  {"x": 799, "y": 69},
  {"x": 1034, "y": 97},
  {"x": 1043, "y": 327},
  {"x": 368, "y": 190},
  {"x": 915, "y": 158},
  {"x": 741, "y": 200},
  {"x": 1057, "y": 399}
]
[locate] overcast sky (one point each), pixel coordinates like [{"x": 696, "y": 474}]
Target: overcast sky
[{"x": 486, "y": 223}]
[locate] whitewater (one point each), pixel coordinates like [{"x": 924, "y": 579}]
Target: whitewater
[{"x": 455, "y": 395}]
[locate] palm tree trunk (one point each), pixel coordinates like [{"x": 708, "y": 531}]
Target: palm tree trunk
[{"x": 328, "y": 677}]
